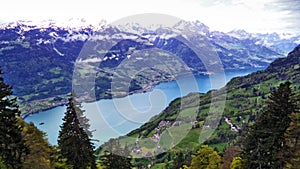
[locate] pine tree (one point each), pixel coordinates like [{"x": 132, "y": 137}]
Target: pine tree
[
  {"x": 73, "y": 141},
  {"x": 292, "y": 137},
  {"x": 57, "y": 161},
  {"x": 83, "y": 120},
  {"x": 2, "y": 165},
  {"x": 116, "y": 157},
  {"x": 12, "y": 145},
  {"x": 178, "y": 161},
  {"x": 264, "y": 141}
]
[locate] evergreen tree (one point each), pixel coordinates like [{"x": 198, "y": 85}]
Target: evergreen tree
[
  {"x": 292, "y": 137},
  {"x": 178, "y": 161},
  {"x": 264, "y": 141},
  {"x": 57, "y": 161},
  {"x": 84, "y": 122},
  {"x": 73, "y": 141},
  {"x": 12, "y": 145},
  {"x": 2, "y": 165},
  {"x": 116, "y": 157}
]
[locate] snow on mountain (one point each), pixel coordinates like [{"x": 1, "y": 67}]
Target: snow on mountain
[
  {"x": 282, "y": 43},
  {"x": 80, "y": 29},
  {"x": 136, "y": 28},
  {"x": 47, "y": 50},
  {"x": 196, "y": 27},
  {"x": 71, "y": 24},
  {"x": 297, "y": 41},
  {"x": 240, "y": 34},
  {"x": 236, "y": 46}
]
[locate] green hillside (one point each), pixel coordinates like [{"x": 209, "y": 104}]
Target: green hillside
[{"x": 195, "y": 114}]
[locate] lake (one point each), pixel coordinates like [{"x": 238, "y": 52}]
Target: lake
[{"x": 110, "y": 118}]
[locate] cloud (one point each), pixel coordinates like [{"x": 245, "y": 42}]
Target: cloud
[
  {"x": 290, "y": 10},
  {"x": 252, "y": 15},
  {"x": 223, "y": 15}
]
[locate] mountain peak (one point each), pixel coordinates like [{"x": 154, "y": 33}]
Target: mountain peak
[
  {"x": 195, "y": 26},
  {"x": 73, "y": 23},
  {"x": 240, "y": 34}
]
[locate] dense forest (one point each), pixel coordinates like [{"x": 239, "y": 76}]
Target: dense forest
[{"x": 269, "y": 138}]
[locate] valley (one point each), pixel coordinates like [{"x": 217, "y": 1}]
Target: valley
[
  {"x": 40, "y": 61},
  {"x": 110, "y": 114},
  {"x": 187, "y": 123},
  {"x": 148, "y": 96}
]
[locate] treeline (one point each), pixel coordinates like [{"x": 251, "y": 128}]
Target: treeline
[
  {"x": 24, "y": 146},
  {"x": 271, "y": 141}
]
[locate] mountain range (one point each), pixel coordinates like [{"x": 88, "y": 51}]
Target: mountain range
[
  {"x": 197, "y": 119},
  {"x": 40, "y": 60}
]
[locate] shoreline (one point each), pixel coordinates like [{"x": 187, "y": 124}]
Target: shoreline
[{"x": 44, "y": 104}]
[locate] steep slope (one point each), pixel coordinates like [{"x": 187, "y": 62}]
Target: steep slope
[
  {"x": 244, "y": 98},
  {"x": 39, "y": 60}
]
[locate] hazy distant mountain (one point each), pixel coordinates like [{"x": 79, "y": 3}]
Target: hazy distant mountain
[
  {"x": 282, "y": 43},
  {"x": 38, "y": 58}
]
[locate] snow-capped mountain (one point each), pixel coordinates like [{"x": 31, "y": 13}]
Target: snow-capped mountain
[
  {"x": 236, "y": 49},
  {"x": 195, "y": 27},
  {"x": 40, "y": 57},
  {"x": 282, "y": 43}
]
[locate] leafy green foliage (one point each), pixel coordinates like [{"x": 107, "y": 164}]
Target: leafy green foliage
[
  {"x": 57, "y": 161},
  {"x": 245, "y": 98},
  {"x": 206, "y": 158},
  {"x": 22, "y": 145},
  {"x": 2, "y": 165},
  {"x": 39, "y": 149},
  {"x": 12, "y": 145},
  {"x": 229, "y": 156},
  {"x": 237, "y": 163}
]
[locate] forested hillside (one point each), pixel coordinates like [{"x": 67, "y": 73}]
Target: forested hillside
[
  {"x": 258, "y": 128},
  {"x": 246, "y": 99},
  {"x": 39, "y": 60}
]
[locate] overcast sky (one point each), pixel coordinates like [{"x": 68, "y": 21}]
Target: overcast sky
[{"x": 223, "y": 15}]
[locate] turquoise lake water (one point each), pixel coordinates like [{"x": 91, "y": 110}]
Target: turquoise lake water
[{"x": 110, "y": 118}]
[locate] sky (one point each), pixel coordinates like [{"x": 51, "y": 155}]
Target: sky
[{"x": 256, "y": 16}]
